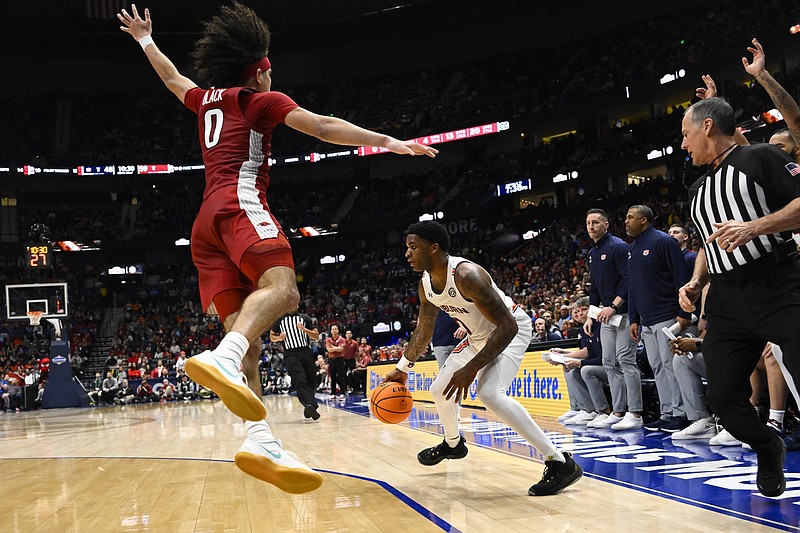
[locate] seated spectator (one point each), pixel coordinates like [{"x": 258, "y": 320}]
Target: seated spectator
[
  {"x": 95, "y": 388},
  {"x": 586, "y": 395},
  {"x": 134, "y": 373},
  {"x": 125, "y": 393},
  {"x": 11, "y": 395},
  {"x": 187, "y": 389},
  {"x": 282, "y": 382},
  {"x": 144, "y": 392},
  {"x": 109, "y": 388},
  {"x": 180, "y": 362},
  {"x": 160, "y": 371},
  {"x": 543, "y": 333},
  {"x": 167, "y": 391},
  {"x": 323, "y": 378}
]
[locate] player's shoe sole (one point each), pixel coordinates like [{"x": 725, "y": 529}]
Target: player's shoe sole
[
  {"x": 237, "y": 397},
  {"x": 291, "y": 477}
]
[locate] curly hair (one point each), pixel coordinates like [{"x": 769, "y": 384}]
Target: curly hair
[{"x": 231, "y": 41}]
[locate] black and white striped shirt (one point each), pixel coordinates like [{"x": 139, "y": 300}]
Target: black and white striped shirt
[
  {"x": 752, "y": 182},
  {"x": 295, "y": 338}
]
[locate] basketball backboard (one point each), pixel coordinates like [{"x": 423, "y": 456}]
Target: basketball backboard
[{"x": 49, "y": 298}]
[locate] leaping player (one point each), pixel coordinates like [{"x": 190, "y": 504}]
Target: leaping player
[
  {"x": 498, "y": 333},
  {"x": 246, "y": 271}
]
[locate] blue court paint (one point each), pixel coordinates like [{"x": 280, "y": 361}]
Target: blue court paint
[
  {"x": 413, "y": 504},
  {"x": 719, "y": 479}
]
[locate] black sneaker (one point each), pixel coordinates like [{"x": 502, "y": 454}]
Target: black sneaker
[
  {"x": 654, "y": 425},
  {"x": 437, "y": 454},
  {"x": 557, "y": 477},
  {"x": 673, "y": 425},
  {"x": 311, "y": 412},
  {"x": 770, "y": 478}
]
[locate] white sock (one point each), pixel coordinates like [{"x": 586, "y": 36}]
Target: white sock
[
  {"x": 777, "y": 416},
  {"x": 234, "y": 344},
  {"x": 555, "y": 455},
  {"x": 259, "y": 431}
]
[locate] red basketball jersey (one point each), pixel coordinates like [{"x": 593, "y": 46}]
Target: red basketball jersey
[{"x": 235, "y": 127}]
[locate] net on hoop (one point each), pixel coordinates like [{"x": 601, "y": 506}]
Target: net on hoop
[{"x": 35, "y": 317}]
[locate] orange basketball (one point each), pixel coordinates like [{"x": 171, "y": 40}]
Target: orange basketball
[{"x": 391, "y": 402}]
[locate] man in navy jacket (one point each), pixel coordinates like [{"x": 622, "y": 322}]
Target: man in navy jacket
[
  {"x": 656, "y": 270},
  {"x": 608, "y": 266}
]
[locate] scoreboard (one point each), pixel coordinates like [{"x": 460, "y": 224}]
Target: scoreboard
[{"x": 38, "y": 256}]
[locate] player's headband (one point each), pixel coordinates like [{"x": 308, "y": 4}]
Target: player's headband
[{"x": 262, "y": 64}]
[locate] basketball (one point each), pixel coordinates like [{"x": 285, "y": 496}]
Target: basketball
[{"x": 391, "y": 402}]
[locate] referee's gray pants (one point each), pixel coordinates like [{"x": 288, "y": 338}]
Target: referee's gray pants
[
  {"x": 619, "y": 361},
  {"x": 660, "y": 358}
]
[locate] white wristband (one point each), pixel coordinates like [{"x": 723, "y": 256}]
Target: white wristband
[
  {"x": 145, "y": 41},
  {"x": 404, "y": 365}
]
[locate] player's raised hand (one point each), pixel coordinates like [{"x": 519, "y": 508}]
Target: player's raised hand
[
  {"x": 410, "y": 148},
  {"x": 134, "y": 25},
  {"x": 758, "y": 66},
  {"x": 709, "y": 91}
]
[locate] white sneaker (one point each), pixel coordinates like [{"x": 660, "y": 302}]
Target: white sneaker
[
  {"x": 271, "y": 463},
  {"x": 724, "y": 438},
  {"x": 705, "y": 428},
  {"x": 607, "y": 422},
  {"x": 582, "y": 418},
  {"x": 600, "y": 419},
  {"x": 221, "y": 375},
  {"x": 569, "y": 414},
  {"x": 629, "y": 421}
]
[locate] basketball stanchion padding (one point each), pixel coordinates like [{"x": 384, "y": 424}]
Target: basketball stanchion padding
[{"x": 391, "y": 403}]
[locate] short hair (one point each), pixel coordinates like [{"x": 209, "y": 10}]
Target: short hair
[
  {"x": 681, "y": 227},
  {"x": 784, "y": 131},
  {"x": 598, "y": 211},
  {"x": 718, "y": 110},
  {"x": 644, "y": 211},
  {"x": 583, "y": 301},
  {"x": 231, "y": 41},
  {"x": 431, "y": 231}
]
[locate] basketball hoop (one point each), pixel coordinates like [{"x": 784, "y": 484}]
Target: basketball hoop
[{"x": 35, "y": 317}]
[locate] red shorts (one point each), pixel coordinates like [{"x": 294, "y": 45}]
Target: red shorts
[{"x": 231, "y": 252}]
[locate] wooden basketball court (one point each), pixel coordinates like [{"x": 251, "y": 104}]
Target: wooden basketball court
[{"x": 169, "y": 468}]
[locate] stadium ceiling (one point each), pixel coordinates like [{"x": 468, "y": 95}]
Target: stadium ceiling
[{"x": 35, "y": 26}]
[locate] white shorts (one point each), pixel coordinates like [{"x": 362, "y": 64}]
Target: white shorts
[{"x": 466, "y": 349}]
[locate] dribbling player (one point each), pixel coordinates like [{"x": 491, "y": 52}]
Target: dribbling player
[
  {"x": 498, "y": 333},
  {"x": 246, "y": 271}
]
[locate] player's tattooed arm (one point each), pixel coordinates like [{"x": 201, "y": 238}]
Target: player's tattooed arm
[
  {"x": 421, "y": 337},
  {"x": 475, "y": 283}
]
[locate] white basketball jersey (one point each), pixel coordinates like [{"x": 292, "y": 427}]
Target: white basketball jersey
[{"x": 463, "y": 311}]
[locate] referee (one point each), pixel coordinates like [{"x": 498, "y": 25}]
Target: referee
[
  {"x": 296, "y": 331},
  {"x": 744, "y": 207}
]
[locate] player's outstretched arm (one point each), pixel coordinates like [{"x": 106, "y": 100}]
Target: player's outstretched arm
[
  {"x": 141, "y": 30},
  {"x": 337, "y": 131},
  {"x": 420, "y": 338}
]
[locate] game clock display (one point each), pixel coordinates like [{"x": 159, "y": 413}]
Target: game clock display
[{"x": 38, "y": 256}]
